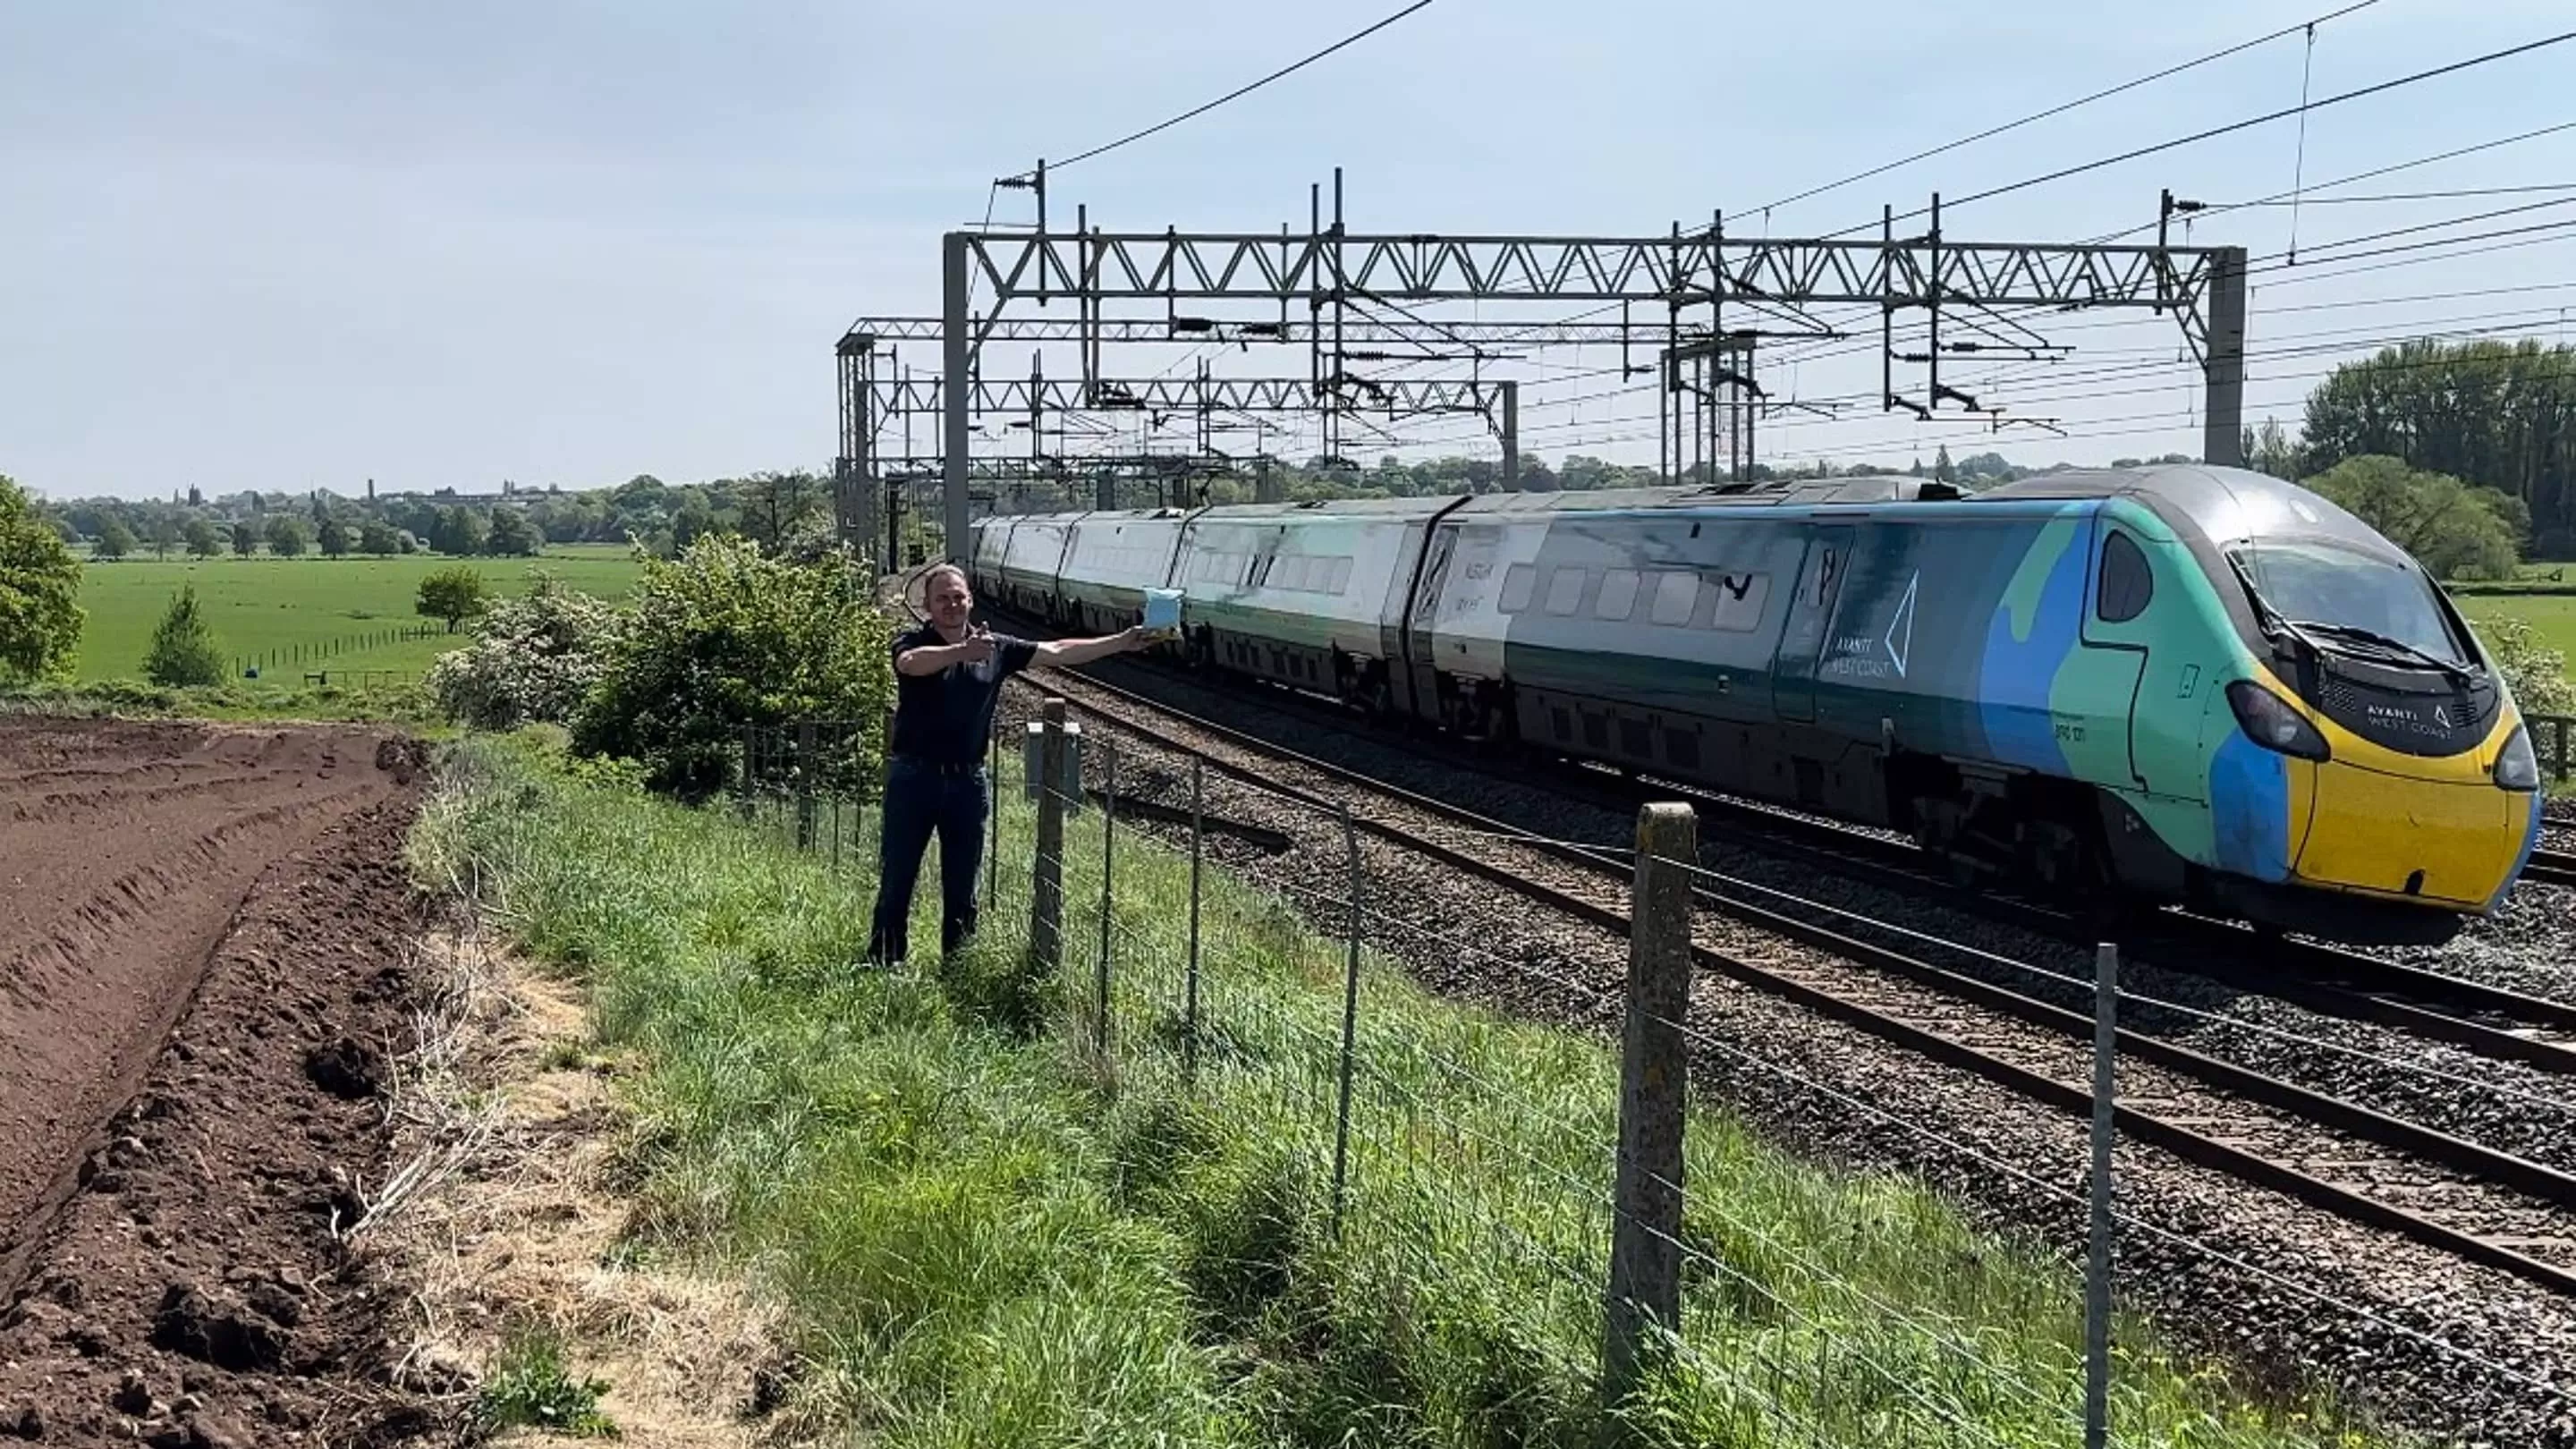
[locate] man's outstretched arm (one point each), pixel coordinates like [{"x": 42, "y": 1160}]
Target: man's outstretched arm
[{"x": 1083, "y": 651}]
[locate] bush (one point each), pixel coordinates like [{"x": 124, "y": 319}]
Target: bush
[
  {"x": 2536, "y": 674},
  {"x": 723, "y": 637},
  {"x": 40, "y": 615},
  {"x": 183, "y": 649},
  {"x": 453, "y": 594},
  {"x": 537, "y": 657}
]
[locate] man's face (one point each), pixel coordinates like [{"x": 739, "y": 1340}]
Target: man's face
[{"x": 950, "y": 603}]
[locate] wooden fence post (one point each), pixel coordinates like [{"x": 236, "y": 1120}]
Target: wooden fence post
[
  {"x": 805, "y": 752},
  {"x": 1646, "y": 1227}
]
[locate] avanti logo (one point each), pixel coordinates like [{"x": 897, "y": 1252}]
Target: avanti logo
[{"x": 1899, "y": 638}]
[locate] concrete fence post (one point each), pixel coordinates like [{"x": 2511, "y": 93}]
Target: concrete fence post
[
  {"x": 1046, "y": 886},
  {"x": 1645, "y": 1242},
  {"x": 2097, "y": 1259}
]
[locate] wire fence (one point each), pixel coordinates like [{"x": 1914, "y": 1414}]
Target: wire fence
[
  {"x": 2554, "y": 739},
  {"x": 309, "y": 657},
  {"x": 1567, "y": 1216}
]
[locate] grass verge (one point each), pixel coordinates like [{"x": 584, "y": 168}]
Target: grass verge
[{"x": 981, "y": 1228}]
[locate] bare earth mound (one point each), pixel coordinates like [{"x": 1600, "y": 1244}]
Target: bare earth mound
[{"x": 203, "y": 933}]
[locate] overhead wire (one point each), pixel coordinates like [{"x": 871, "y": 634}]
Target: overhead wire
[
  {"x": 2059, "y": 110},
  {"x": 2207, "y": 211},
  {"x": 1236, "y": 94},
  {"x": 2229, "y": 128}
]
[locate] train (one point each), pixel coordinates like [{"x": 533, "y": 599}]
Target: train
[{"x": 2174, "y": 684}]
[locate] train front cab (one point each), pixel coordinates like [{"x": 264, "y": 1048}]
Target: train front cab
[{"x": 2386, "y": 778}]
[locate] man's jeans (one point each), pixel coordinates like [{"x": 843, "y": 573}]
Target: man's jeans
[{"x": 921, "y": 798}]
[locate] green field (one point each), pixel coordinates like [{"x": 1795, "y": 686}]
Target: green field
[
  {"x": 260, "y": 605},
  {"x": 2552, "y": 616}
]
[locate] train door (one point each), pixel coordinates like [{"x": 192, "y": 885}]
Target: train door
[
  {"x": 2095, "y": 702},
  {"x": 1810, "y": 621},
  {"x": 1421, "y": 567},
  {"x": 1421, "y": 697}
]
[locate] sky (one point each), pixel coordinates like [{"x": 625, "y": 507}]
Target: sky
[{"x": 291, "y": 245}]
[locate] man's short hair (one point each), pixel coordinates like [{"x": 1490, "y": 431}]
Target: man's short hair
[{"x": 930, "y": 577}]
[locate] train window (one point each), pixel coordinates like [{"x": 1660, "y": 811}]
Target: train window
[
  {"x": 1618, "y": 595},
  {"x": 1518, "y": 582},
  {"x": 1564, "y": 591},
  {"x": 1341, "y": 576},
  {"x": 1288, "y": 572},
  {"x": 1676, "y": 595},
  {"x": 1740, "y": 598},
  {"x": 2127, "y": 582}
]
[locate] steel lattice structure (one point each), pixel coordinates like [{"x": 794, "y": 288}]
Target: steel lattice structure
[{"x": 1706, "y": 297}]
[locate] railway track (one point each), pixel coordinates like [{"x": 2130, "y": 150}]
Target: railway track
[
  {"x": 2552, "y": 867},
  {"x": 2498, "y": 1024},
  {"x": 2332, "y": 980},
  {"x": 2457, "y": 1196}
]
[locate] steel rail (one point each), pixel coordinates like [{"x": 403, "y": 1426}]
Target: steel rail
[
  {"x": 2504, "y": 1169},
  {"x": 2552, "y": 867}
]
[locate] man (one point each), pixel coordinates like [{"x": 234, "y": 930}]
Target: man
[{"x": 948, "y": 677}]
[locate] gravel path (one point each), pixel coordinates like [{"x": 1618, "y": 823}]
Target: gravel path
[{"x": 2336, "y": 1297}]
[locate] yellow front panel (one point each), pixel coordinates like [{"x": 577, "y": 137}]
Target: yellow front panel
[
  {"x": 2376, "y": 817},
  {"x": 2371, "y": 831}
]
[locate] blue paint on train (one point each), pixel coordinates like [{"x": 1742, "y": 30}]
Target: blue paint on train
[
  {"x": 2249, "y": 803},
  {"x": 2023, "y": 653}
]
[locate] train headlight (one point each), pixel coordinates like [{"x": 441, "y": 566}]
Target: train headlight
[
  {"x": 2268, "y": 720},
  {"x": 2518, "y": 767}
]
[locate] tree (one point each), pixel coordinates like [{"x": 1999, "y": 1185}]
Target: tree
[
  {"x": 2446, "y": 525},
  {"x": 378, "y": 538},
  {"x": 774, "y": 503},
  {"x": 2269, "y": 450},
  {"x": 2487, "y": 412},
  {"x": 165, "y": 536},
  {"x": 454, "y": 594},
  {"x": 40, "y": 613},
  {"x": 203, "y": 541},
  {"x": 286, "y": 535},
  {"x": 1942, "y": 471},
  {"x": 723, "y": 637},
  {"x": 333, "y": 538},
  {"x": 183, "y": 649},
  {"x": 114, "y": 540},
  {"x": 458, "y": 531},
  {"x": 245, "y": 539},
  {"x": 694, "y": 519},
  {"x": 512, "y": 536}
]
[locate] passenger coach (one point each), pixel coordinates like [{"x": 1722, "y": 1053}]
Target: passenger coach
[{"x": 2180, "y": 683}]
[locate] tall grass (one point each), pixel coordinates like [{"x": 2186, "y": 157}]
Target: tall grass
[{"x": 990, "y": 1232}]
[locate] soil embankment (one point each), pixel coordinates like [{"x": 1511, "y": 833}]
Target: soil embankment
[{"x": 204, "y": 935}]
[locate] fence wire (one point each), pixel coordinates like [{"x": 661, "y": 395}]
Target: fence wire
[{"x": 1411, "y": 1150}]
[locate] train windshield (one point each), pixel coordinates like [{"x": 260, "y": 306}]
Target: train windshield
[{"x": 2348, "y": 599}]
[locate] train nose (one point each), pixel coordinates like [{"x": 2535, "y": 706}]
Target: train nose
[{"x": 2448, "y": 842}]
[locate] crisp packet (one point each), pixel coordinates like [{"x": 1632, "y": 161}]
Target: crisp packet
[{"x": 1163, "y": 610}]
